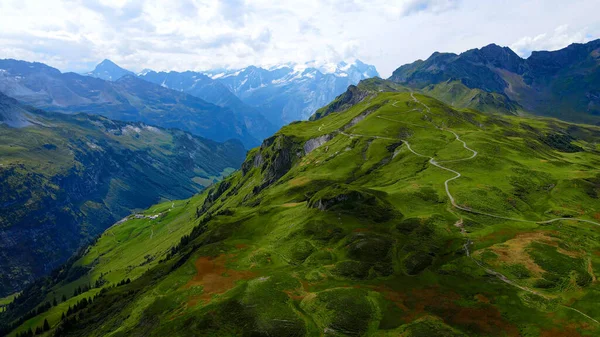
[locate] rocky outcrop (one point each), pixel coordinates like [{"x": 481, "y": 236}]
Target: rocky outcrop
[
  {"x": 315, "y": 143},
  {"x": 213, "y": 195},
  {"x": 278, "y": 158},
  {"x": 273, "y": 159},
  {"x": 344, "y": 101}
]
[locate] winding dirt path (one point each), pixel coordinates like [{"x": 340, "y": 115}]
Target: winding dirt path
[
  {"x": 432, "y": 161},
  {"x": 459, "y": 223}
]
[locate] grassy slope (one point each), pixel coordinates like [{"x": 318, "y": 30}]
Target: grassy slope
[
  {"x": 387, "y": 258},
  {"x": 65, "y": 180},
  {"x": 460, "y": 96},
  {"x": 125, "y": 250}
]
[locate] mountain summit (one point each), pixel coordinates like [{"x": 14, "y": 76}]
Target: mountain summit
[
  {"x": 282, "y": 93},
  {"x": 108, "y": 71},
  {"x": 562, "y": 83},
  {"x": 292, "y": 92},
  {"x": 127, "y": 99}
]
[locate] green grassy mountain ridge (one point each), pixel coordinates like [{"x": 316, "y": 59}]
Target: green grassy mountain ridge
[
  {"x": 453, "y": 93},
  {"x": 65, "y": 178},
  {"x": 389, "y": 214},
  {"x": 562, "y": 83}
]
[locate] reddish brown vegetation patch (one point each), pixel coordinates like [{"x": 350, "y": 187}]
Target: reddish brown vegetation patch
[
  {"x": 497, "y": 235},
  {"x": 566, "y": 328},
  {"x": 300, "y": 293},
  {"x": 482, "y": 298},
  {"x": 516, "y": 250},
  {"x": 214, "y": 278},
  {"x": 296, "y": 294},
  {"x": 483, "y": 319},
  {"x": 566, "y": 332}
]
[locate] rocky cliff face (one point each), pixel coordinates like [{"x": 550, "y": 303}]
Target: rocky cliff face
[{"x": 351, "y": 96}]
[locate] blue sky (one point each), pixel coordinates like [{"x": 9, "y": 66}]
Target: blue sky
[{"x": 203, "y": 34}]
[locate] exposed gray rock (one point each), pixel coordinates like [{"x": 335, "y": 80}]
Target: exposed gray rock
[{"x": 314, "y": 143}]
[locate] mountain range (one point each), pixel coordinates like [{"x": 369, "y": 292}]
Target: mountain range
[
  {"x": 292, "y": 92},
  {"x": 201, "y": 86},
  {"x": 128, "y": 99},
  {"x": 563, "y": 83},
  {"x": 459, "y": 197},
  {"x": 65, "y": 178},
  {"x": 281, "y": 94}
]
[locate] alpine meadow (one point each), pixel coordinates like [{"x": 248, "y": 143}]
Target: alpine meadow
[{"x": 264, "y": 184}]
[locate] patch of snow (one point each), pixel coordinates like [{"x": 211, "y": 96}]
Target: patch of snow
[
  {"x": 253, "y": 89},
  {"x": 281, "y": 66},
  {"x": 144, "y": 72},
  {"x": 130, "y": 128},
  {"x": 298, "y": 68},
  {"x": 310, "y": 75},
  {"x": 329, "y": 68},
  {"x": 152, "y": 128},
  {"x": 93, "y": 146},
  {"x": 343, "y": 66},
  {"x": 221, "y": 74}
]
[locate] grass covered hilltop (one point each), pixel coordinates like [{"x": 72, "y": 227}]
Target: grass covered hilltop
[{"x": 390, "y": 214}]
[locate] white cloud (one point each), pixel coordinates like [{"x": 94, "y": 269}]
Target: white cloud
[
  {"x": 559, "y": 38},
  {"x": 202, "y": 34}
]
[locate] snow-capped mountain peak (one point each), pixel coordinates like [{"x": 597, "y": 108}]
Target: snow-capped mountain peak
[
  {"x": 291, "y": 91},
  {"x": 297, "y": 71}
]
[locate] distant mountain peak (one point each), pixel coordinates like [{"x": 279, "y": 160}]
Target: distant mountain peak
[
  {"x": 292, "y": 91},
  {"x": 107, "y": 62},
  {"x": 109, "y": 71}
]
